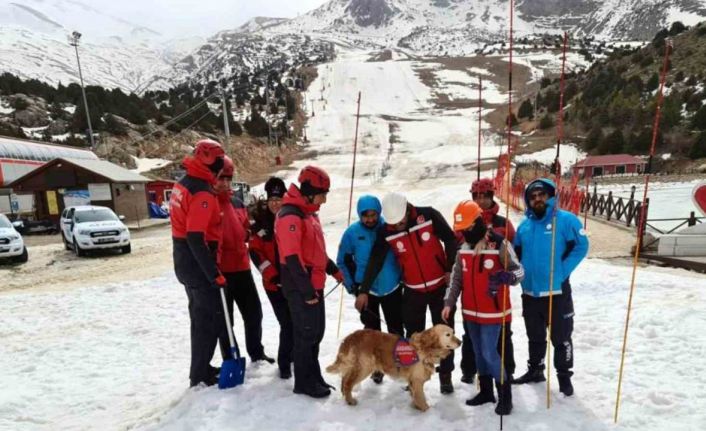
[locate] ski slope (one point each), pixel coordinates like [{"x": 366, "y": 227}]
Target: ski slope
[{"x": 115, "y": 356}]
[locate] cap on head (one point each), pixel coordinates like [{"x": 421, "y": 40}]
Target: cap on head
[
  {"x": 275, "y": 188},
  {"x": 394, "y": 207}
]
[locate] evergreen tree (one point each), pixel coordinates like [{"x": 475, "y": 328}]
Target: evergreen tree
[
  {"x": 595, "y": 137},
  {"x": 698, "y": 122},
  {"x": 698, "y": 149},
  {"x": 614, "y": 143},
  {"x": 526, "y": 110},
  {"x": 546, "y": 122}
]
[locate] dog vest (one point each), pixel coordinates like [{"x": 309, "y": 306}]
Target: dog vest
[{"x": 404, "y": 354}]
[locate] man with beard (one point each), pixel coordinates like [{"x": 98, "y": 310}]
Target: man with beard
[
  {"x": 533, "y": 245},
  {"x": 353, "y": 257}
]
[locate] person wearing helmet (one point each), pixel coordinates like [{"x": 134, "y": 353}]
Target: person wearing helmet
[
  {"x": 234, "y": 263},
  {"x": 425, "y": 248},
  {"x": 196, "y": 230},
  {"x": 303, "y": 266},
  {"x": 481, "y": 276},
  {"x": 533, "y": 244},
  {"x": 263, "y": 253},
  {"x": 483, "y": 194},
  {"x": 353, "y": 256}
]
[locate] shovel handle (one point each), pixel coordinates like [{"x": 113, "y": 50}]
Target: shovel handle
[{"x": 229, "y": 327}]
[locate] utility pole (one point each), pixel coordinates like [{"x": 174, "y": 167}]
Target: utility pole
[
  {"x": 73, "y": 41},
  {"x": 313, "y": 114}
]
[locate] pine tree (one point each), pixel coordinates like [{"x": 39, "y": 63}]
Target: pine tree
[
  {"x": 595, "y": 137},
  {"x": 614, "y": 143},
  {"x": 526, "y": 110},
  {"x": 698, "y": 149},
  {"x": 698, "y": 122}
]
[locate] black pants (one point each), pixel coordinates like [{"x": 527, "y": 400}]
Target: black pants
[
  {"x": 309, "y": 324},
  {"x": 414, "y": 315},
  {"x": 207, "y": 327},
  {"x": 241, "y": 289},
  {"x": 286, "y": 331},
  {"x": 392, "y": 309},
  {"x": 536, "y": 313},
  {"x": 468, "y": 359}
]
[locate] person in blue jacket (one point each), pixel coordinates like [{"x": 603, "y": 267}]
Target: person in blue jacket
[
  {"x": 353, "y": 256},
  {"x": 533, "y": 244}
]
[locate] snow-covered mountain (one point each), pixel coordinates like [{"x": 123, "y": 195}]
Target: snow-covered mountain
[{"x": 114, "y": 51}]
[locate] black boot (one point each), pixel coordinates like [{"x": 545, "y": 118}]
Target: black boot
[
  {"x": 504, "y": 406},
  {"x": 534, "y": 374},
  {"x": 377, "y": 377},
  {"x": 317, "y": 391},
  {"x": 263, "y": 357},
  {"x": 565, "y": 386},
  {"x": 445, "y": 385},
  {"x": 486, "y": 394},
  {"x": 467, "y": 379},
  {"x": 285, "y": 372}
]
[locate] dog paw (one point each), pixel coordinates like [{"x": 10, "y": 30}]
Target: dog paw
[
  {"x": 352, "y": 401},
  {"x": 422, "y": 408}
]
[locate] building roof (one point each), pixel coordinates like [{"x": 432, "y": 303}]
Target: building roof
[
  {"x": 110, "y": 171},
  {"x": 21, "y": 149},
  {"x": 610, "y": 159}
]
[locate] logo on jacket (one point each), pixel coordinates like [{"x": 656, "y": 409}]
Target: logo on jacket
[
  {"x": 488, "y": 264},
  {"x": 420, "y": 219},
  {"x": 400, "y": 246},
  {"x": 549, "y": 226},
  {"x": 204, "y": 204},
  {"x": 426, "y": 236}
]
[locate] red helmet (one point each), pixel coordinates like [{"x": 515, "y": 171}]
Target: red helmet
[
  {"x": 314, "y": 179},
  {"x": 228, "y": 167},
  {"x": 483, "y": 185},
  {"x": 207, "y": 151}
]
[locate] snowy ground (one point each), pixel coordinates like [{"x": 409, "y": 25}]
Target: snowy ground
[{"x": 114, "y": 354}]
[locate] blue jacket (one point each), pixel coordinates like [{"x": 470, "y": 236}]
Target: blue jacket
[
  {"x": 533, "y": 244},
  {"x": 354, "y": 253}
]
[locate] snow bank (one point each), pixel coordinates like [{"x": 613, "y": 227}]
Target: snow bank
[
  {"x": 568, "y": 156},
  {"x": 147, "y": 164}
]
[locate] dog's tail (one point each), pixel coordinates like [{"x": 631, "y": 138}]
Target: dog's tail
[{"x": 335, "y": 367}]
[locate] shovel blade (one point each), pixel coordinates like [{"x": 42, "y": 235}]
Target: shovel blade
[{"x": 232, "y": 373}]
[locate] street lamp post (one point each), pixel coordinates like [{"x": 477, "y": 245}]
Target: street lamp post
[{"x": 73, "y": 41}]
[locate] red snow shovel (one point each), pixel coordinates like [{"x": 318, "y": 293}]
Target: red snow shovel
[{"x": 232, "y": 370}]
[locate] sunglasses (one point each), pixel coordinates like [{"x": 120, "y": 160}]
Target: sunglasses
[{"x": 537, "y": 195}]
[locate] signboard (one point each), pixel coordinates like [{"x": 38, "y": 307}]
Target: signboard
[
  {"x": 99, "y": 192},
  {"x": 51, "y": 203},
  {"x": 73, "y": 198}
]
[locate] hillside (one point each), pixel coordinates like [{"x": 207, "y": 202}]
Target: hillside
[{"x": 610, "y": 107}]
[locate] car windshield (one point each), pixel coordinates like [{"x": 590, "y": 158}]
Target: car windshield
[
  {"x": 4, "y": 222},
  {"x": 94, "y": 215}
]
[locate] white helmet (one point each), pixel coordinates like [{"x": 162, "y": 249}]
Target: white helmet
[{"x": 394, "y": 207}]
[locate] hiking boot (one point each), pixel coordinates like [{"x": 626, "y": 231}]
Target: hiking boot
[
  {"x": 565, "y": 386},
  {"x": 486, "y": 394},
  {"x": 317, "y": 391},
  {"x": 210, "y": 381},
  {"x": 467, "y": 379},
  {"x": 263, "y": 357},
  {"x": 504, "y": 406},
  {"x": 285, "y": 373},
  {"x": 533, "y": 375},
  {"x": 445, "y": 385},
  {"x": 377, "y": 377}
]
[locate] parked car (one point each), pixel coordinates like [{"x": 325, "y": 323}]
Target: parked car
[
  {"x": 12, "y": 246},
  {"x": 85, "y": 228}
]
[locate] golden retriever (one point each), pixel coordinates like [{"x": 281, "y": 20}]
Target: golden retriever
[{"x": 366, "y": 351}]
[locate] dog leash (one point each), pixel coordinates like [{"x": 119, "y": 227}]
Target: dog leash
[{"x": 332, "y": 289}]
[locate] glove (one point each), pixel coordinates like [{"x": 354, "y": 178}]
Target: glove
[
  {"x": 338, "y": 275},
  {"x": 503, "y": 277},
  {"x": 219, "y": 282}
]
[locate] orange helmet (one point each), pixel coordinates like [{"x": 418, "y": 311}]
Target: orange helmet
[{"x": 465, "y": 214}]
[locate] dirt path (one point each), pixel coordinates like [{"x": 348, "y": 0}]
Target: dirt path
[{"x": 52, "y": 267}]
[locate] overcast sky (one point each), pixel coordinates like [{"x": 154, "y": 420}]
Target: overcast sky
[{"x": 201, "y": 17}]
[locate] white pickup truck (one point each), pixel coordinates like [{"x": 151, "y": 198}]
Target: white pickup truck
[
  {"x": 12, "y": 245},
  {"x": 85, "y": 228}
]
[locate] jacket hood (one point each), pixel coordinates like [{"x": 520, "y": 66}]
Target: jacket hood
[
  {"x": 195, "y": 168},
  {"x": 548, "y": 184},
  {"x": 367, "y": 203},
  {"x": 294, "y": 197}
]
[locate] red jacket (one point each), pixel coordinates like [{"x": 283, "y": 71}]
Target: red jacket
[
  {"x": 302, "y": 249},
  {"x": 233, "y": 250},
  {"x": 196, "y": 225},
  {"x": 263, "y": 252},
  {"x": 418, "y": 249}
]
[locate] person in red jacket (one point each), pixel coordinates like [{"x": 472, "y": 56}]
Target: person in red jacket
[
  {"x": 304, "y": 265},
  {"x": 425, "y": 248},
  {"x": 196, "y": 229},
  {"x": 483, "y": 193},
  {"x": 485, "y": 266},
  {"x": 234, "y": 263},
  {"x": 263, "y": 253}
]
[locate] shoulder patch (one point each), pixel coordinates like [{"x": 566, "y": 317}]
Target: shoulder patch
[{"x": 420, "y": 219}]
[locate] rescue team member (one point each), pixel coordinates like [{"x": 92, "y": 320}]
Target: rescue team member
[
  {"x": 304, "y": 265},
  {"x": 425, "y": 248},
  {"x": 485, "y": 266},
  {"x": 234, "y": 263},
  {"x": 353, "y": 256},
  {"x": 263, "y": 252},
  {"x": 533, "y": 244},
  {"x": 483, "y": 193},
  {"x": 196, "y": 230}
]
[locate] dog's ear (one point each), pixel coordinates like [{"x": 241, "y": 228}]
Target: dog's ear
[{"x": 426, "y": 341}]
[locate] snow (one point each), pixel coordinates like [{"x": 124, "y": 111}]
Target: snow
[
  {"x": 5, "y": 107},
  {"x": 69, "y": 108},
  {"x": 147, "y": 164},
  {"x": 568, "y": 156},
  {"x": 116, "y": 352},
  {"x": 687, "y": 18}
]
